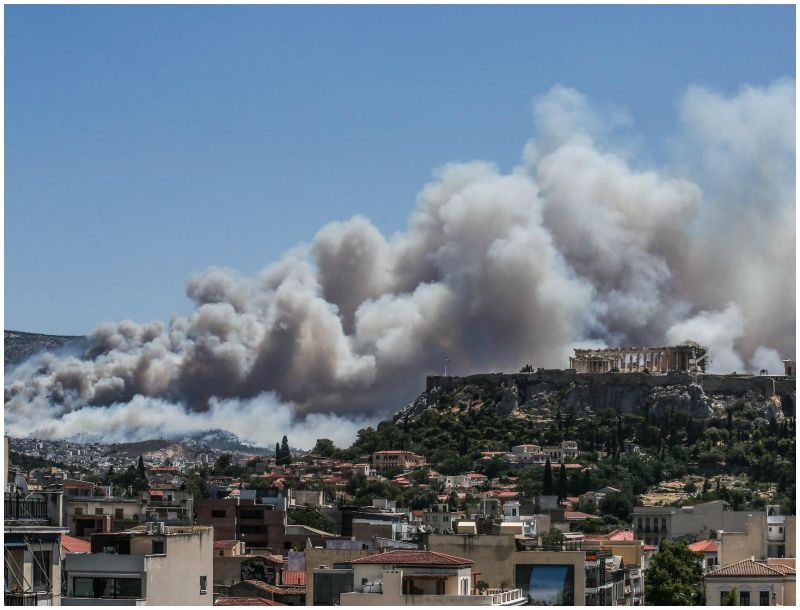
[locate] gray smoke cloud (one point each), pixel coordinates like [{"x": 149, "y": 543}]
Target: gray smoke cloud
[{"x": 577, "y": 246}]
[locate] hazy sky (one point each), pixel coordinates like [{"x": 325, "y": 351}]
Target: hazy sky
[{"x": 144, "y": 144}]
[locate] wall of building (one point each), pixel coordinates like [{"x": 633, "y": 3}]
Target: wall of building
[
  {"x": 752, "y": 542},
  {"x": 327, "y": 557},
  {"x": 492, "y": 554},
  {"x": 784, "y": 591},
  {"x": 577, "y": 559},
  {"x": 174, "y": 579}
]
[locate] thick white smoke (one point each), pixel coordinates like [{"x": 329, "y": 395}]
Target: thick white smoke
[{"x": 576, "y": 246}]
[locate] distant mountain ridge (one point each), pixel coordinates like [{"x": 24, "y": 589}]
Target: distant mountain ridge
[{"x": 18, "y": 346}]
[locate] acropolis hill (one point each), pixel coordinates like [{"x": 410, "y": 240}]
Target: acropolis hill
[{"x": 534, "y": 395}]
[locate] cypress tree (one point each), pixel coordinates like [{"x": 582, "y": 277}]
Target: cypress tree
[
  {"x": 562, "y": 482},
  {"x": 547, "y": 482}
]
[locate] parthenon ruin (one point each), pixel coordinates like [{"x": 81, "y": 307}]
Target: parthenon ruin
[{"x": 686, "y": 357}]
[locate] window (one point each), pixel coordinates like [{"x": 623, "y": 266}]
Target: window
[
  {"x": 78, "y": 510},
  {"x": 763, "y": 598},
  {"x": 203, "y": 582},
  {"x": 41, "y": 570},
  {"x": 744, "y": 598},
  {"x": 118, "y": 513},
  {"x": 158, "y": 546},
  {"x": 221, "y": 553},
  {"x": 217, "y": 514},
  {"x": 107, "y": 587},
  {"x": 98, "y": 511}
]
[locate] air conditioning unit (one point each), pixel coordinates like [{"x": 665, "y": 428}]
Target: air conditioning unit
[
  {"x": 149, "y": 527},
  {"x": 159, "y": 527}
]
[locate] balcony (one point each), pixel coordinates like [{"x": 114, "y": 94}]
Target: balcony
[
  {"x": 21, "y": 510},
  {"x": 27, "y": 599}
]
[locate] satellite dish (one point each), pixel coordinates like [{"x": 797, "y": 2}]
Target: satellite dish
[{"x": 21, "y": 484}]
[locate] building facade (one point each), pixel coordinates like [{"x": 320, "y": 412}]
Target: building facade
[{"x": 152, "y": 565}]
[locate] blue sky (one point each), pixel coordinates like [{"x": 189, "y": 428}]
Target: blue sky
[{"x": 143, "y": 144}]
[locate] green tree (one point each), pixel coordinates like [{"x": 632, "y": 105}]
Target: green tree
[
  {"x": 283, "y": 455},
  {"x": 222, "y": 463},
  {"x": 674, "y": 576},
  {"x": 562, "y": 482},
  {"x": 547, "y": 480},
  {"x": 325, "y": 448}
]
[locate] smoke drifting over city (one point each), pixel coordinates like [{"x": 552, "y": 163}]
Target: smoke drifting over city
[{"x": 577, "y": 246}]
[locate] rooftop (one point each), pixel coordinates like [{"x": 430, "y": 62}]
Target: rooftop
[
  {"x": 750, "y": 568},
  {"x": 416, "y": 558},
  {"x": 704, "y": 546}
]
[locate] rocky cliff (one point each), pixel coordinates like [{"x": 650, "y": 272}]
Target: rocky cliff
[{"x": 536, "y": 396}]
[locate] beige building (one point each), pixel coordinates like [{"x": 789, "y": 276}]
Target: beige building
[
  {"x": 393, "y": 459},
  {"x": 755, "y": 583},
  {"x": 429, "y": 578},
  {"x": 156, "y": 566},
  {"x": 766, "y": 535}
]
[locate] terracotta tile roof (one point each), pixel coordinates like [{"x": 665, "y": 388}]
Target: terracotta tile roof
[
  {"x": 616, "y": 535},
  {"x": 574, "y": 515},
  {"x": 408, "y": 557},
  {"x": 507, "y": 495},
  {"x": 276, "y": 589},
  {"x": 750, "y": 568},
  {"x": 293, "y": 577},
  {"x": 245, "y": 601},
  {"x": 225, "y": 544},
  {"x": 704, "y": 546},
  {"x": 75, "y": 545}
]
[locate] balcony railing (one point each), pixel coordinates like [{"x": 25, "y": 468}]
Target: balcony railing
[
  {"x": 26, "y": 599},
  {"x": 17, "y": 508}
]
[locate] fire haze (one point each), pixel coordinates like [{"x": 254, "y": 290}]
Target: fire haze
[{"x": 577, "y": 246}]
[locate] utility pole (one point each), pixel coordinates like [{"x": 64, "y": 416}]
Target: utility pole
[{"x": 446, "y": 360}]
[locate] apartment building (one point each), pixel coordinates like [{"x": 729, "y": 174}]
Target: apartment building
[
  {"x": 32, "y": 548},
  {"x": 765, "y": 535},
  {"x": 690, "y": 523},
  {"x": 153, "y": 565}
]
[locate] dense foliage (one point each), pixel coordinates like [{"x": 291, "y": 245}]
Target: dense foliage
[{"x": 674, "y": 576}]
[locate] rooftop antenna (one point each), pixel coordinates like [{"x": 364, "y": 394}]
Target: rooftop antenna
[{"x": 446, "y": 360}]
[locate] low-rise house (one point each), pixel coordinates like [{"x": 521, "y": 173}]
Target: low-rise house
[
  {"x": 709, "y": 550},
  {"x": 755, "y": 584},
  {"x": 149, "y": 565}
]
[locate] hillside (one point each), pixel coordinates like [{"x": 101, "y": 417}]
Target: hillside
[
  {"x": 19, "y": 346},
  {"x": 637, "y": 431}
]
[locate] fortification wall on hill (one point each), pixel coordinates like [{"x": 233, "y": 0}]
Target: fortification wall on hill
[{"x": 555, "y": 379}]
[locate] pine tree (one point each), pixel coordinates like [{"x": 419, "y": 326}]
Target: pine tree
[{"x": 547, "y": 482}]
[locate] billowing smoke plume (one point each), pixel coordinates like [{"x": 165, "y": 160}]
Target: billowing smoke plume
[{"x": 576, "y": 246}]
